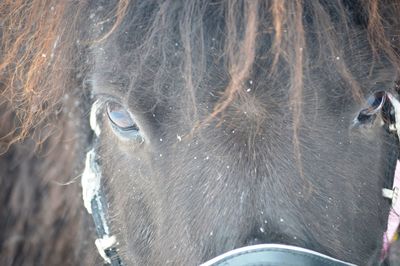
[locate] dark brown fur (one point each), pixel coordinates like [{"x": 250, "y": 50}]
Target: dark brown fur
[{"x": 55, "y": 54}]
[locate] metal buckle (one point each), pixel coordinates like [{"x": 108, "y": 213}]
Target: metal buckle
[{"x": 102, "y": 244}]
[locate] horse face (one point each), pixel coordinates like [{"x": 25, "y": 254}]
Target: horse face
[{"x": 184, "y": 185}]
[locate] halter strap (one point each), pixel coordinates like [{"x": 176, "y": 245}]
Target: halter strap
[
  {"x": 94, "y": 198},
  {"x": 393, "y": 193}
]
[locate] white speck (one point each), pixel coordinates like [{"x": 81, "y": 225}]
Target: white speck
[
  {"x": 176, "y": 44},
  {"x": 211, "y": 233},
  {"x": 227, "y": 166},
  {"x": 281, "y": 220},
  {"x": 160, "y": 140},
  {"x": 195, "y": 157},
  {"x": 241, "y": 197},
  {"x": 207, "y": 158},
  {"x": 261, "y": 212},
  {"x": 265, "y": 221},
  {"x": 52, "y": 8},
  {"x": 262, "y": 230},
  {"x": 44, "y": 55},
  {"x": 154, "y": 115},
  {"x": 295, "y": 237},
  {"x": 160, "y": 154},
  {"x": 233, "y": 131},
  {"x": 337, "y": 58},
  {"x": 179, "y": 138},
  {"x": 248, "y": 90},
  {"x": 92, "y": 16},
  {"x": 301, "y": 48},
  {"x": 251, "y": 82}
]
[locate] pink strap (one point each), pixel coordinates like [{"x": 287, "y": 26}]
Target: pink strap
[{"x": 394, "y": 217}]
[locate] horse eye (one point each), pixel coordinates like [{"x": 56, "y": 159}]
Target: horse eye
[
  {"x": 120, "y": 117},
  {"x": 375, "y": 104},
  {"x": 376, "y": 101}
]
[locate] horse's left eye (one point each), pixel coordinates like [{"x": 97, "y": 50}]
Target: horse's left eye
[{"x": 120, "y": 117}]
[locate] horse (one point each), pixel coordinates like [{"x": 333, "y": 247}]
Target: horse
[{"x": 195, "y": 128}]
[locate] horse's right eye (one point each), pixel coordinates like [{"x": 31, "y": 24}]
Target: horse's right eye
[{"x": 122, "y": 122}]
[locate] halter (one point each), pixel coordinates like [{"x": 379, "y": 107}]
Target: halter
[
  {"x": 94, "y": 199},
  {"x": 382, "y": 104}
]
